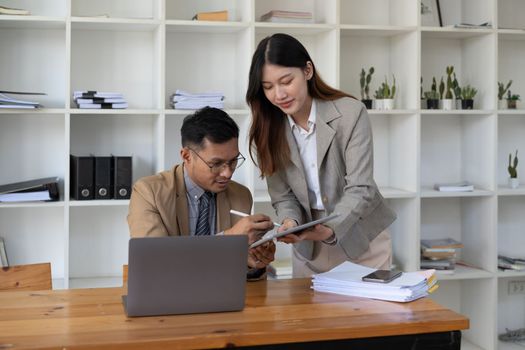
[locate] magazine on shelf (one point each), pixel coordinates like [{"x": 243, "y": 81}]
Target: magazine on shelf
[
  {"x": 462, "y": 186},
  {"x": 441, "y": 243}
]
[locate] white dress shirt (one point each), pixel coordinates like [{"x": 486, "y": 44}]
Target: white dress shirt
[{"x": 307, "y": 145}]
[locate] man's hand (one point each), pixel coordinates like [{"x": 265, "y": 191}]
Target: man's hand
[
  {"x": 262, "y": 255},
  {"x": 254, "y": 226}
]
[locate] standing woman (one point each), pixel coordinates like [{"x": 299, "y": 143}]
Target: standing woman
[{"x": 313, "y": 144}]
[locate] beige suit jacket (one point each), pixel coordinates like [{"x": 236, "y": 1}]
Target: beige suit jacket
[
  {"x": 159, "y": 206},
  {"x": 345, "y": 162}
]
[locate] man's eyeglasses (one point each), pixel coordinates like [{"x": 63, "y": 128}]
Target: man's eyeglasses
[{"x": 217, "y": 167}]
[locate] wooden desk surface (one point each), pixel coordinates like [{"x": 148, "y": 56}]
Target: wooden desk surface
[{"x": 276, "y": 312}]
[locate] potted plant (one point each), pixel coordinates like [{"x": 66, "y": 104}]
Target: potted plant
[
  {"x": 501, "y": 93},
  {"x": 467, "y": 94},
  {"x": 448, "y": 100},
  {"x": 457, "y": 92},
  {"x": 364, "y": 81},
  {"x": 441, "y": 92},
  {"x": 378, "y": 96},
  {"x": 432, "y": 96},
  {"x": 389, "y": 92},
  {"x": 513, "y": 170},
  {"x": 512, "y": 100}
]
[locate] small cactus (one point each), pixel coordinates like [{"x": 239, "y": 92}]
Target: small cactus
[
  {"x": 364, "y": 81},
  {"x": 448, "y": 91},
  {"x": 502, "y": 89},
  {"x": 513, "y": 165}
]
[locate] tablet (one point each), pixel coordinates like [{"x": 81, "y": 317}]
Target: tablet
[{"x": 276, "y": 234}]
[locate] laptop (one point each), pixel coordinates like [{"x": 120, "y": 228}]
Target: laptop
[{"x": 186, "y": 274}]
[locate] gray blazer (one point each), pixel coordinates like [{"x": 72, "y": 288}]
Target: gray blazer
[{"x": 345, "y": 161}]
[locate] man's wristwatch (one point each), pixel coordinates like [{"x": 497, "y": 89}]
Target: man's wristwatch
[{"x": 332, "y": 240}]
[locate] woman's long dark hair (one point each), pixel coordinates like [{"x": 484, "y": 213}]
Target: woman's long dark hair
[{"x": 267, "y": 131}]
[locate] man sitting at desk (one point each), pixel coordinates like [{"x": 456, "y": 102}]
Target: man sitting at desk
[{"x": 195, "y": 198}]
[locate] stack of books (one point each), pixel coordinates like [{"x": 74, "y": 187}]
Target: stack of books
[
  {"x": 211, "y": 16},
  {"x": 278, "y": 16},
  {"x": 44, "y": 189},
  {"x": 508, "y": 263},
  {"x": 462, "y": 186},
  {"x": 12, "y": 11},
  {"x": 99, "y": 100},
  {"x": 439, "y": 254},
  {"x": 346, "y": 279},
  {"x": 280, "y": 269},
  {"x": 185, "y": 100},
  {"x": 8, "y": 102}
]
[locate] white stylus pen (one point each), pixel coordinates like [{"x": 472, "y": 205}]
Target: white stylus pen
[{"x": 240, "y": 213}]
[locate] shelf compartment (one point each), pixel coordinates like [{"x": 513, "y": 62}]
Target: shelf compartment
[
  {"x": 34, "y": 62},
  {"x": 470, "y": 220},
  {"x": 405, "y": 246},
  {"x": 221, "y": 58},
  {"x": 145, "y": 9},
  {"x": 389, "y": 55},
  {"x": 456, "y": 148},
  {"x": 510, "y": 60},
  {"x": 238, "y": 10},
  {"x": 510, "y": 310},
  {"x": 323, "y": 11},
  {"x": 473, "y": 298},
  {"x": 471, "y": 58},
  {"x": 34, "y": 235},
  {"x": 510, "y": 139},
  {"x": 116, "y": 70},
  {"x": 466, "y": 11},
  {"x": 102, "y": 242},
  {"x": 39, "y": 8},
  {"x": 379, "y": 12},
  {"x": 43, "y": 156},
  {"x": 510, "y": 14},
  {"x": 511, "y": 225},
  {"x": 103, "y": 135},
  {"x": 395, "y": 150}
]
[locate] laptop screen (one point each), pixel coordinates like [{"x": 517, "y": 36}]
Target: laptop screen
[{"x": 186, "y": 274}]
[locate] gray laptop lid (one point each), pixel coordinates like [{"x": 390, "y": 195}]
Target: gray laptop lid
[{"x": 186, "y": 274}]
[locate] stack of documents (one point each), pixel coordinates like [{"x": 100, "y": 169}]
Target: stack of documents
[
  {"x": 280, "y": 16},
  {"x": 346, "y": 279},
  {"x": 186, "y": 100},
  {"x": 99, "y": 100},
  {"x": 8, "y": 102},
  {"x": 463, "y": 186}
]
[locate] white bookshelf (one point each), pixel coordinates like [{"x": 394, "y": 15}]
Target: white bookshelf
[{"x": 148, "y": 49}]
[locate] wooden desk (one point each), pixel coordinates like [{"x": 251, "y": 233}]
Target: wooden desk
[{"x": 276, "y": 312}]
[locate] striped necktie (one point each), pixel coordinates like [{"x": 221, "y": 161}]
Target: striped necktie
[{"x": 203, "y": 224}]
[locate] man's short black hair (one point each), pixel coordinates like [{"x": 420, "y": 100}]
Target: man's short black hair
[{"x": 211, "y": 123}]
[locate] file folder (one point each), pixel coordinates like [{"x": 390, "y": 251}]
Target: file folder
[
  {"x": 103, "y": 178},
  {"x": 122, "y": 175},
  {"x": 82, "y": 177},
  {"x": 43, "y": 189}
]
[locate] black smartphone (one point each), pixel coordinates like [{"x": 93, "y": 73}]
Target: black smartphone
[{"x": 382, "y": 276}]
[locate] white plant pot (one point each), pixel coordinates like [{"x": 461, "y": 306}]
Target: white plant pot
[
  {"x": 502, "y": 104},
  {"x": 447, "y": 104},
  {"x": 378, "y": 104},
  {"x": 514, "y": 182},
  {"x": 388, "y": 104}
]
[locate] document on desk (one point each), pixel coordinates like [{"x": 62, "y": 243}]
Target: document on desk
[{"x": 346, "y": 279}]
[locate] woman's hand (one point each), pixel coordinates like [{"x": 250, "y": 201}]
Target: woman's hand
[
  {"x": 254, "y": 226},
  {"x": 318, "y": 232}
]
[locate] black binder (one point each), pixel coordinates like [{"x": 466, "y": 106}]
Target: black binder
[
  {"x": 43, "y": 189},
  {"x": 103, "y": 178},
  {"x": 122, "y": 171},
  {"x": 82, "y": 177}
]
